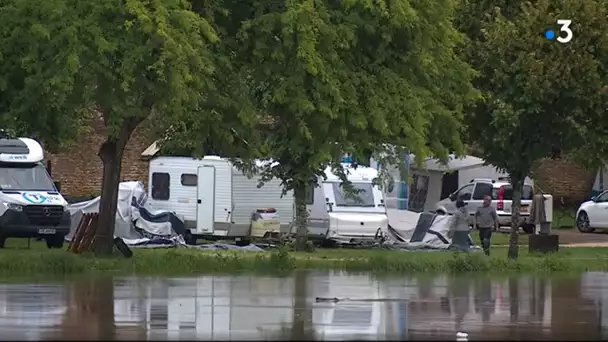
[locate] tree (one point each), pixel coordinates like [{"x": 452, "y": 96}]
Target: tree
[
  {"x": 335, "y": 77},
  {"x": 125, "y": 60},
  {"x": 540, "y": 98}
]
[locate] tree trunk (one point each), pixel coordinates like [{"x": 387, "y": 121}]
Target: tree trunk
[
  {"x": 301, "y": 217},
  {"x": 601, "y": 178},
  {"x": 110, "y": 153},
  {"x": 112, "y": 162},
  {"x": 517, "y": 183}
]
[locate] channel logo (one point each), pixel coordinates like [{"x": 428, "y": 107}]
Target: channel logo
[{"x": 565, "y": 33}]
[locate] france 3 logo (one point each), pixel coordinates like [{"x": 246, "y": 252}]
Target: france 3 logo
[{"x": 565, "y": 32}]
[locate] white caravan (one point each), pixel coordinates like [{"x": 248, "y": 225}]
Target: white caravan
[
  {"x": 214, "y": 198},
  {"x": 31, "y": 204},
  {"x": 336, "y": 216}
]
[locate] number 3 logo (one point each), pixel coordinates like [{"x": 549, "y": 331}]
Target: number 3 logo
[{"x": 565, "y": 28}]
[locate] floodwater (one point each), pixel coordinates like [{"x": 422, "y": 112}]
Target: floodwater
[{"x": 274, "y": 308}]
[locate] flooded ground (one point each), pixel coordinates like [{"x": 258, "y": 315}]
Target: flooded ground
[{"x": 270, "y": 308}]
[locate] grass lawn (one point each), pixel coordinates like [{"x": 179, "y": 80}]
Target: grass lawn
[
  {"x": 15, "y": 261},
  {"x": 499, "y": 238},
  {"x": 564, "y": 218}
]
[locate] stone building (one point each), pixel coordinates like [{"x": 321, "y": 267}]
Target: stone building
[
  {"x": 564, "y": 179},
  {"x": 79, "y": 169}
]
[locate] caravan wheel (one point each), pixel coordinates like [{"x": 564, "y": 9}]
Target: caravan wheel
[
  {"x": 242, "y": 242},
  {"x": 189, "y": 239}
]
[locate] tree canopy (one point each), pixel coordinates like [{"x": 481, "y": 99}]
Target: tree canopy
[
  {"x": 62, "y": 61},
  {"x": 540, "y": 97}
]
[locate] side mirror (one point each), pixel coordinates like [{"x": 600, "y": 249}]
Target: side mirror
[
  {"x": 453, "y": 197},
  {"x": 57, "y": 185},
  {"x": 594, "y": 198}
]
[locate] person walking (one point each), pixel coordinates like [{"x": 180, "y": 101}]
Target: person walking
[
  {"x": 459, "y": 227},
  {"x": 486, "y": 221}
]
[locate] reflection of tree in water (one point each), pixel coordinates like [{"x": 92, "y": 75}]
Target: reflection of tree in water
[
  {"x": 459, "y": 288},
  {"x": 514, "y": 299},
  {"x": 90, "y": 313},
  {"x": 484, "y": 301},
  {"x": 301, "y": 328}
]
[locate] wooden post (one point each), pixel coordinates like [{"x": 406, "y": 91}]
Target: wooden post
[
  {"x": 85, "y": 220},
  {"x": 89, "y": 234},
  {"x": 84, "y": 234}
]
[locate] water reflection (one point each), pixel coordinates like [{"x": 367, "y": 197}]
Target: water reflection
[{"x": 251, "y": 307}]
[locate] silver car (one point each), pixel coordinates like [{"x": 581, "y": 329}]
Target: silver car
[{"x": 501, "y": 193}]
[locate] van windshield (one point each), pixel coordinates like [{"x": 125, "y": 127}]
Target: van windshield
[
  {"x": 31, "y": 177},
  {"x": 363, "y": 196}
]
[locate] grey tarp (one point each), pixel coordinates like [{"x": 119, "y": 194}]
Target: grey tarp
[
  {"x": 131, "y": 196},
  {"x": 410, "y": 230}
]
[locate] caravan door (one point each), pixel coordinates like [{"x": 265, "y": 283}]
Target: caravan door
[{"x": 205, "y": 202}]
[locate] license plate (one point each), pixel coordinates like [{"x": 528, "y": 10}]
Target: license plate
[
  {"x": 524, "y": 209},
  {"x": 46, "y": 231}
]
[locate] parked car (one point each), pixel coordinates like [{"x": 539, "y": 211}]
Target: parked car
[
  {"x": 501, "y": 193},
  {"x": 593, "y": 214}
]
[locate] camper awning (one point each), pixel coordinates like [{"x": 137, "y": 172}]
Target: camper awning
[
  {"x": 453, "y": 164},
  {"x": 150, "y": 151}
]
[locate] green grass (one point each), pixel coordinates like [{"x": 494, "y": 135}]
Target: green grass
[
  {"x": 499, "y": 238},
  {"x": 563, "y": 218},
  {"x": 43, "y": 263}
]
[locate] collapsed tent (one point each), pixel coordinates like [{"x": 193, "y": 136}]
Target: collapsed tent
[
  {"x": 134, "y": 220},
  {"x": 410, "y": 230}
]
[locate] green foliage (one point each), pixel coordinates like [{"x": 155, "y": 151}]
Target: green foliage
[
  {"x": 224, "y": 121},
  {"x": 541, "y": 98},
  {"x": 62, "y": 59},
  {"x": 345, "y": 76}
]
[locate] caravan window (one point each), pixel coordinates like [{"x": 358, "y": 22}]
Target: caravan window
[
  {"x": 189, "y": 179},
  {"x": 160, "y": 186},
  {"x": 364, "y": 197}
]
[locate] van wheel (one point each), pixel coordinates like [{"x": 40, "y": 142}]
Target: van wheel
[
  {"x": 326, "y": 243},
  {"x": 582, "y": 223},
  {"x": 54, "y": 241}
]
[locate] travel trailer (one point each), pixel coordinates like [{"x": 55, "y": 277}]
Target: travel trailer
[
  {"x": 214, "y": 197},
  {"x": 338, "y": 216},
  {"x": 32, "y": 205}
]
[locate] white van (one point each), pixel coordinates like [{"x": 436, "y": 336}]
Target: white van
[
  {"x": 501, "y": 193},
  {"x": 336, "y": 216},
  {"x": 32, "y": 207}
]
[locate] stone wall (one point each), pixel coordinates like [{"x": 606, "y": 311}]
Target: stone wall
[
  {"x": 79, "y": 169},
  {"x": 564, "y": 179}
]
